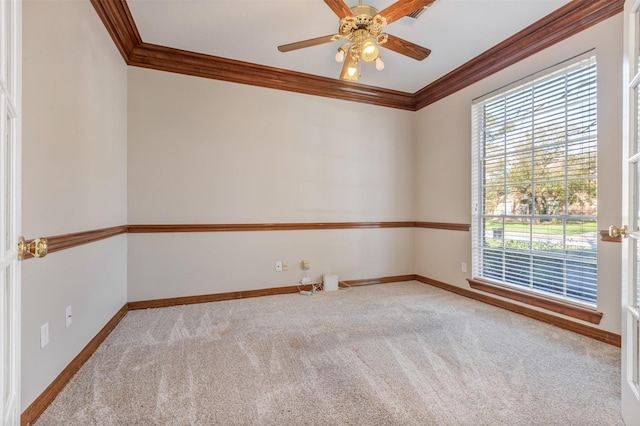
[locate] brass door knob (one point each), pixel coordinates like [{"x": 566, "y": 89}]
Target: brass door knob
[
  {"x": 615, "y": 232},
  {"x": 36, "y": 248}
]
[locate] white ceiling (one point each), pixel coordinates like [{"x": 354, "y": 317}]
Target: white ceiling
[{"x": 251, "y": 30}]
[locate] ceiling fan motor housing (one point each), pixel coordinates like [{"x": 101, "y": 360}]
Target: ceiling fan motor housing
[
  {"x": 363, "y": 9},
  {"x": 365, "y": 18}
]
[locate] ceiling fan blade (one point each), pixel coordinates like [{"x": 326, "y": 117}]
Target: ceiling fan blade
[
  {"x": 406, "y": 48},
  {"x": 306, "y": 43},
  {"x": 402, "y": 8},
  {"x": 340, "y": 8}
]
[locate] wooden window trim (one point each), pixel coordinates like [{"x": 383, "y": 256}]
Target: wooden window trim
[{"x": 564, "y": 308}]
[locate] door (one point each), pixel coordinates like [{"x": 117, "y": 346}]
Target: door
[
  {"x": 10, "y": 172},
  {"x": 631, "y": 216}
]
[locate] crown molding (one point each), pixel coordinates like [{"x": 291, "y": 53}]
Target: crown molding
[
  {"x": 117, "y": 19},
  {"x": 570, "y": 19},
  {"x": 163, "y": 58}
]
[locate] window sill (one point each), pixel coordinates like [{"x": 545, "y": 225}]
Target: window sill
[{"x": 568, "y": 309}]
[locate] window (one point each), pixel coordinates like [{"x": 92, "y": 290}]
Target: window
[{"x": 534, "y": 183}]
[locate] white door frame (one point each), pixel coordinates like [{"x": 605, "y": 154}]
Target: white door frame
[
  {"x": 630, "y": 380},
  {"x": 10, "y": 208}
]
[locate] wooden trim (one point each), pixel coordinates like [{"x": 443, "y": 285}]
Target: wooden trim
[
  {"x": 447, "y": 226},
  {"x": 244, "y": 294},
  {"x": 570, "y": 19},
  {"x": 585, "y": 330},
  {"x": 66, "y": 241},
  {"x": 38, "y": 406},
  {"x": 559, "y": 25},
  {"x": 382, "y": 280},
  {"x": 549, "y": 304},
  {"x": 118, "y": 21},
  {"x": 200, "y": 65},
  {"x": 206, "y": 298},
  {"x": 604, "y": 236},
  {"x": 227, "y": 227},
  {"x": 62, "y": 242},
  {"x": 592, "y": 332}
]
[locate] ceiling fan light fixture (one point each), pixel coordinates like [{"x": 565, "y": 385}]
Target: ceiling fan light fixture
[
  {"x": 361, "y": 31},
  {"x": 350, "y": 67},
  {"x": 370, "y": 51}
]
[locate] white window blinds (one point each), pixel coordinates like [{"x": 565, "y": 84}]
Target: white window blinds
[{"x": 534, "y": 183}]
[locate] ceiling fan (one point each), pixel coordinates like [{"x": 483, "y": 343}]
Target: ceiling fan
[{"x": 361, "y": 26}]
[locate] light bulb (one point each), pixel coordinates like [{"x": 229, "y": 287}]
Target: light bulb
[
  {"x": 369, "y": 50},
  {"x": 350, "y": 66},
  {"x": 340, "y": 55},
  {"x": 379, "y": 64}
]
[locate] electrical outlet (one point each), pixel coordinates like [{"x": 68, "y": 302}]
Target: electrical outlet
[
  {"x": 67, "y": 317},
  {"x": 463, "y": 267},
  {"x": 44, "y": 335},
  {"x": 279, "y": 266},
  {"x": 285, "y": 267}
]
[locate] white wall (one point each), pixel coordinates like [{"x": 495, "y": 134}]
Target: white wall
[
  {"x": 74, "y": 179},
  {"x": 443, "y": 164},
  {"x": 204, "y": 151},
  {"x": 174, "y": 265}
]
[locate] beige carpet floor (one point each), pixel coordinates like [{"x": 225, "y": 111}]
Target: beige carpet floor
[{"x": 389, "y": 354}]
